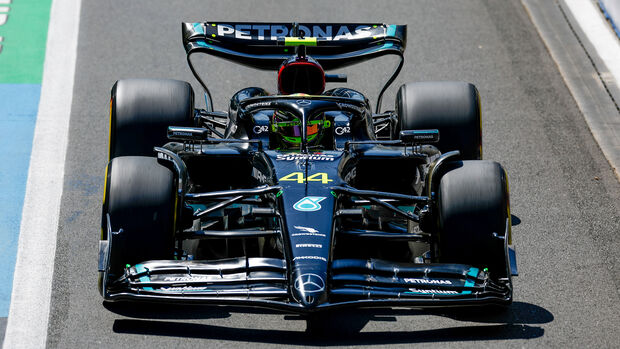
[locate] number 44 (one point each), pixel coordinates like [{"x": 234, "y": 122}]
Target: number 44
[{"x": 299, "y": 177}]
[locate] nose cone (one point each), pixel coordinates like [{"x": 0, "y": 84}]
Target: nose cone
[{"x": 309, "y": 289}]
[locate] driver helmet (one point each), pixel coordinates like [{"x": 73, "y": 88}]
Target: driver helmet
[
  {"x": 287, "y": 127},
  {"x": 301, "y": 75}
]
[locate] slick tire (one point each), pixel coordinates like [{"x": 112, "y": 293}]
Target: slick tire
[
  {"x": 451, "y": 107},
  {"x": 473, "y": 204},
  {"x": 141, "y": 111},
  {"x": 140, "y": 199}
]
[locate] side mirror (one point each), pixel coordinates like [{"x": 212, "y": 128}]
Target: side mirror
[
  {"x": 187, "y": 133},
  {"x": 419, "y": 136}
]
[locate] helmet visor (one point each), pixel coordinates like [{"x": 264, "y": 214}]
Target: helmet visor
[{"x": 291, "y": 130}]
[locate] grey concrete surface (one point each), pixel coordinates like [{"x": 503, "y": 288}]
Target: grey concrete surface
[
  {"x": 563, "y": 191},
  {"x": 2, "y": 329},
  {"x": 583, "y": 72}
]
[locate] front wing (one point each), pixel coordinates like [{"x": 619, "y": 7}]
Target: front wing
[{"x": 264, "y": 282}]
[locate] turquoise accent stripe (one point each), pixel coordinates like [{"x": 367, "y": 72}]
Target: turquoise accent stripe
[
  {"x": 19, "y": 104},
  {"x": 198, "y": 28},
  {"x": 391, "y": 30},
  {"x": 140, "y": 269},
  {"x": 473, "y": 272}
]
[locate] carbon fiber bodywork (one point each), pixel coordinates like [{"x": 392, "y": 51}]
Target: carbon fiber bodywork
[{"x": 351, "y": 221}]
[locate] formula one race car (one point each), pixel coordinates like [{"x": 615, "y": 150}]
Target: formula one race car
[{"x": 303, "y": 200}]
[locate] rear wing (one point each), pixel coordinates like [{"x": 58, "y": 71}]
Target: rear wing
[{"x": 266, "y": 45}]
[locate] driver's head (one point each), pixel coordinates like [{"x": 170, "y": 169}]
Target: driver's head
[
  {"x": 301, "y": 75},
  {"x": 287, "y": 128}
]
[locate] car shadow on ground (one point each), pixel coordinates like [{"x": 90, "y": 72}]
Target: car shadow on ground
[{"x": 343, "y": 328}]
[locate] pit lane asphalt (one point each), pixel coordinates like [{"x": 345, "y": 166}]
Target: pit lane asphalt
[{"x": 563, "y": 191}]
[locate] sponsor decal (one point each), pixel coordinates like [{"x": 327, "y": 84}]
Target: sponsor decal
[
  {"x": 350, "y": 175},
  {"x": 258, "y": 105},
  {"x": 261, "y": 31},
  {"x": 299, "y": 178},
  {"x": 428, "y": 281},
  {"x": 311, "y": 157},
  {"x": 307, "y": 229},
  {"x": 415, "y": 290},
  {"x": 185, "y": 288},
  {"x": 303, "y": 102},
  {"x": 309, "y": 245},
  {"x": 309, "y": 283},
  {"x": 260, "y": 177},
  {"x": 316, "y": 258},
  {"x": 350, "y": 106},
  {"x": 309, "y": 203},
  {"x": 4, "y": 17},
  {"x": 309, "y": 234},
  {"x": 185, "y": 278},
  {"x": 261, "y": 129},
  {"x": 340, "y": 130},
  {"x": 179, "y": 133}
]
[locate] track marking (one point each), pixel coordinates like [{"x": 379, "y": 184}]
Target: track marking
[
  {"x": 583, "y": 78},
  {"x": 598, "y": 32},
  {"x": 32, "y": 284}
]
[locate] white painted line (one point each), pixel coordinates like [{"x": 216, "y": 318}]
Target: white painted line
[
  {"x": 599, "y": 33},
  {"x": 34, "y": 268}
]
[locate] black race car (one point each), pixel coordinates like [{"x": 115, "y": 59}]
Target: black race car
[{"x": 303, "y": 200}]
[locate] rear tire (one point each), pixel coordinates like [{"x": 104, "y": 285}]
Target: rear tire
[
  {"x": 141, "y": 200},
  {"x": 473, "y": 204},
  {"x": 451, "y": 107},
  {"x": 141, "y": 111}
]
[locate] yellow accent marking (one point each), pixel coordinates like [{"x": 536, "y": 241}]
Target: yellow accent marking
[
  {"x": 110, "y": 133},
  {"x": 295, "y": 176},
  {"x": 299, "y": 178},
  {"x": 105, "y": 190},
  {"x": 288, "y": 41},
  {"x": 213, "y": 24},
  {"x": 322, "y": 177},
  {"x": 213, "y": 35}
]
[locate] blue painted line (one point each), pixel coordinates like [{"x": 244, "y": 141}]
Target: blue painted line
[
  {"x": 19, "y": 104},
  {"x": 611, "y": 10}
]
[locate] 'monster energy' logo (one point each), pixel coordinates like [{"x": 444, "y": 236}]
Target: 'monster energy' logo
[{"x": 262, "y": 31}]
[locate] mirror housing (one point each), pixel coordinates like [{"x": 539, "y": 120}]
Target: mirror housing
[{"x": 419, "y": 136}]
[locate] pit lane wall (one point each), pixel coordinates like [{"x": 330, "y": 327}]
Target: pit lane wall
[{"x": 23, "y": 37}]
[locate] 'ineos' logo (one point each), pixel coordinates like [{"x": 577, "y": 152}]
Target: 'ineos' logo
[
  {"x": 309, "y": 283},
  {"x": 303, "y": 102}
]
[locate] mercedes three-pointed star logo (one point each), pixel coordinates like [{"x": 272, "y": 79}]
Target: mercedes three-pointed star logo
[
  {"x": 303, "y": 102},
  {"x": 309, "y": 283}
]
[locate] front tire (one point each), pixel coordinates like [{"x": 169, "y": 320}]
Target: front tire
[
  {"x": 473, "y": 205},
  {"x": 141, "y": 200}
]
